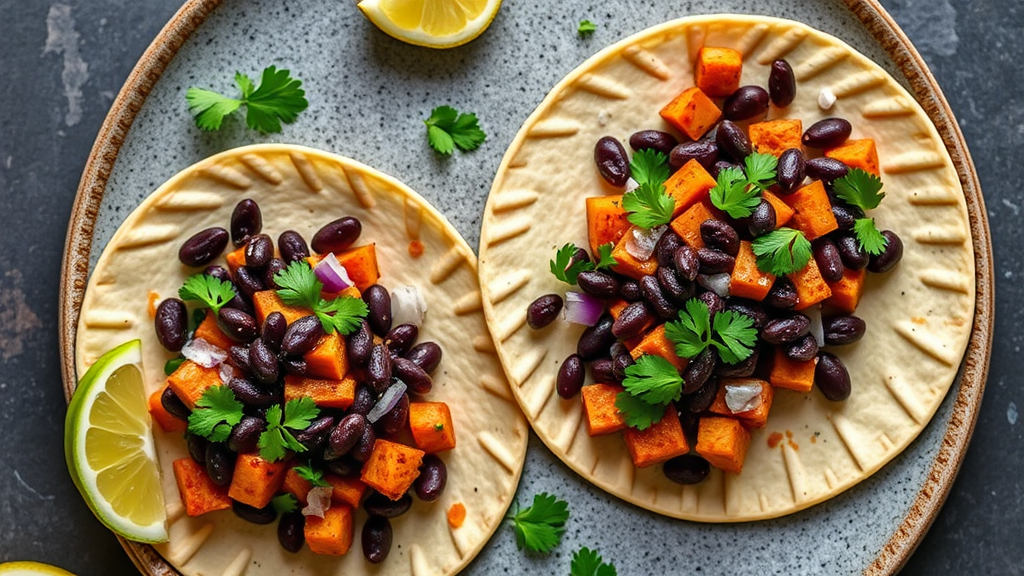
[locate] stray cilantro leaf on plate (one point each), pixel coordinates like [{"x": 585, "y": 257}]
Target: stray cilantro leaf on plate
[
  {"x": 565, "y": 269},
  {"x": 782, "y": 251},
  {"x": 869, "y": 238},
  {"x": 211, "y": 292},
  {"x": 216, "y": 412},
  {"x": 604, "y": 256},
  {"x": 649, "y": 166},
  {"x": 859, "y": 188},
  {"x": 587, "y": 562},
  {"x": 586, "y": 28},
  {"x": 654, "y": 380},
  {"x": 277, "y": 438},
  {"x": 447, "y": 129},
  {"x": 539, "y": 527},
  {"x": 637, "y": 413},
  {"x": 279, "y": 98},
  {"x": 298, "y": 286},
  {"x": 648, "y": 205}
]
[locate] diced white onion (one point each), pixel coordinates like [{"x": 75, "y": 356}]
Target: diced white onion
[
  {"x": 640, "y": 242},
  {"x": 717, "y": 283},
  {"x": 332, "y": 273},
  {"x": 203, "y": 353},
  {"x": 826, "y": 99},
  {"x": 743, "y": 397},
  {"x": 817, "y": 328},
  {"x": 318, "y": 501},
  {"x": 227, "y": 372},
  {"x": 387, "y": 401},
  {"x": 582, "y": 308},
  {"x": 631, "y": 184},
  {"x": 407, "y": 306}
]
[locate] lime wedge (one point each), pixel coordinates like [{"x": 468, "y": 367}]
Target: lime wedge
[
  {"x": 108, "y": 443},
  {"x": 431, "y": 23},
  {"x": 31, "y": 569}
]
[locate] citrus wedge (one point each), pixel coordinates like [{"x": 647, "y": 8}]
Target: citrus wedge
[
  {"x": 108, "y": 443},
  {"x": 31, "y": 569},
  {"x": 431, "y": 23}
]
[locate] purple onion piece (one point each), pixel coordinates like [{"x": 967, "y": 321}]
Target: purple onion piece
[{"x": 388, "y": 400}]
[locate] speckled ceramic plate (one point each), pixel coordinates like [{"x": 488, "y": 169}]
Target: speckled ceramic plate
[{"x": 367, "y": 96}]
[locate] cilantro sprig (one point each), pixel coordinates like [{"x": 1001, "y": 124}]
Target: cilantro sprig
[
  {"x": 298, "y": 286},
  {"x": 279, "y": 98},
  {"x": 211, "y": 292},
  {"x": 314, "y": 476},
  {"x": 586, "y": 28},
  {"x": 649, "y": 205},
  {"x": 278, "y": 438},
  {"x": 539, "y": 527},
  {"x": 217, "y": 411},
  {"x": 284, "y": 503},
  {"x": 782, "y": 251},
  {"x": 587, "y": 562},
  {"x": 864, "y": 190},
  {"x": 447, "y": 129},
  {"x": 568, "y": 271},
  {"x": 738, "y": 192},
  {"x": 651, "y": 383},
  {"x": 732, "y": 334}
]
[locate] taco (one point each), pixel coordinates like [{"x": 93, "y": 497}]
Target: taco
[
  {"x": 302, "y": 189},
  {"x": 918, "y": 316}
]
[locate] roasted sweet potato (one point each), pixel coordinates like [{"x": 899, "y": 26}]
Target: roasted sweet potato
[
  {"x": 161, "y": 416},
  {"x": 627, "y": 265},
  {"x": 347, "y": 490},
  {"x": 775, "y": 136},
  {"x": 599, "y": 409},
  {"x": 236, "y": 259},
  {"x": 847, "y": 291},
  {"x": 717, "y": 71},
  {"x": 209, "y": 331},
  {"x": 328, "y": 359},
  {"x": 198, "y": 493},
  {"x": 606, "y": 221},
  {"x": 332, "y": 534},
  {"x": 755, "y": 418},
  {"x": 811, "y": 288},
  {"x": 190, "y": 380},
  {"x": 813, "y": 210},
  {"x": 747, "y": 280},
  {"x": 857, "y": 154},
  {"x": 431, "y": 426},
  {"x": 326, "y": 393},
  {"x": 689, "y": 185},
  {"x": 361, "y": 264},
  {"x": 723, "y": 442},
  {"x": 662, "y": 441},
  {"x": 687, "y": 224},
  {"x": 392, "y": 468},
  {"x": 692, "y": 112},
  {"x": 267, "y": 301},
  {"x": 255, "y": 480},
  {"x": 792, "y": 374},
  {"x": 783, "y": 213},
  {"x": 655, "y": 342}
]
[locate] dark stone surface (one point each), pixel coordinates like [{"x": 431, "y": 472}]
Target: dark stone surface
[{"x": 63, "y": 63}]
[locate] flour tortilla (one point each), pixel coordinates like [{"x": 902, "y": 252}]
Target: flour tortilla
[
  {"x": 303, "y": 189},
  {"x": 919, "y": 315}
]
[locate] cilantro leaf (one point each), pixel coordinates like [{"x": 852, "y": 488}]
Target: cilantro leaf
[
  {"x": 735, "y": 336},
  {"x": 313, "y": 475},
  {"x": 564, "y": 268},
  {"x": 604, "y": 256},
  {"x": 587, "y": 562},
  {"x": 692, "y": 332},
  {"x": 732, "y": 334},
  {"x": 278, "y": 98},
  {"x": 539, "y": 527},
  {"x": 761, "y": 169},
  {"x": 211, "y": 292},
  {"x": 343, "y": 314},
  {"x": 859, "y": 188},
  {"x": 649, "y": 165},
  {"x": 638, "y": 414},
  {"x": 586, "y": 28},
  {"x": 447, "y": 129},
  {"x": 734, "y": 194},
  {"x": 300, "y": 412},
  {"x": 649, "y": 205},
  {"x": 173, "y": 365},
  {"x": 284, "y": 503},
  {"x": 276, "y": 439},
  {"x": 654, "y": 380},
  {"x": 782, "y": 251},
  {"x": 869, "y": 237},
  {"x": 298, "y": 286},
  {"x": 217, "y": 411}
]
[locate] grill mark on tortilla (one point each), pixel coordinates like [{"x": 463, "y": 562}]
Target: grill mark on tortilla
[
  {"x": 446, "y": 264},
  {"x": 647, "y": 62},
  {"x": 306, "y": 171},
  {"x": 603, "y": 86},
  {"x": 508, "y": 229},
  {"x": 921, "y": 337},
  {"x": 859, "y": 82},
  {"x": 906, "y": 398},
  {"x": 228, "y": 176},
  {"x": 939, "y": 235},
  {"x": 484, "y": 344},
  {"x": 751, "y": 39},
  {"x": 819, "y": 61},
  {"x": 852, "y": 438},
  {"x": 507, "y": 284},
  {"x": 578, "y": 429},
  {"x": 688, "y": 500},
  {"x": 109, "y": 319},
  {"x": 510, "y": 325},
  {"x": 513, "y": 199},
  {"x": 239, "y": 563},
  {"x": 413, "y": 219},
  {"x": 459, "y": 539},
  {"x": 695, "y": 36},
  {"x": 527, "y": 364},
  {"x": 418, "y": 564},
  {"x": 175, "y": 511},
  {"x": 496, "y": 387},
  {"x": 554, "y": 128},
  {"x": 262, "y": 168},
  {"x": 914, "y": 161},
  {"x": 944, "y": 280},
  {"x": 187, "y": 546},
  {"x": 933, "y": 197},
  {"x": 830, "y": 478},
  {"x": 782, "y": 45},
  {"x": 886, "y": 443},
  {"x": 497, "y": 450},
  {"x": 762, "y": 500},
  {"x": 360, "y": 189},
  {"x": 887, "y": 108},
  {"x": 795, "y": 473},
  {"x": 187, "y": 201},
  {"x": 150, "y": 235},
  {"x": 468, "y": 303}
]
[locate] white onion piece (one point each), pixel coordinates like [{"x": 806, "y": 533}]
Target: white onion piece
[
  {"x": 332, "y": 273},
  {"x": 318, "y": 501},
  {"x": 826, "y": 99},
  {"x": 582, "y": 308},
  {"x": 227, "y": 372},
  {"x": 407, "y": 306},
  {"x": 631, "y": 184},
  {"x": 743, "y": 397},
  {"x": 817, "y": 328},
  {"x": 717, "y": 283},
  {"x": 203, "y": 353},
  {"x": 640, "y": 242},
  {"x": 387, "y": 401}
]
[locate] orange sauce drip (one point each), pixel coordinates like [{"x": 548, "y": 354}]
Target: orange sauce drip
[
  {"x": 456, "y": 515},
  {"x": 814, "y": 439},
  {"x": 416, "y": 248},
  {"x": 151, "y": 303},
  {"x": 794, "y": 445},
  {"x": 773, "y": 439}
]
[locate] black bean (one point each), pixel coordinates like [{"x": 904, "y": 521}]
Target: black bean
[
  {"x": 171, "y": 324},
  {"x": 749, "y": 309},
  {"x": 346, "y": 466},
  {"x": 364, "y": 400},
  {"x": 379, "y": 302},
  {"x": 702, "y": 399},
  {"x": 259, "y": 250},
  {"x": 296, "y": 366},
  {"x": 783, "y": 294},
  {"x": 543, "y": 311},
  {"x": 611, "y": 160},
  {"x": 291, "y": 531},
  {"x": 337, "y": 236},
  {"x": 237, "y": 325},
  {"x": 666, "y": 247},
  {"x": 400, "y": 338},
  {"x": 292, "y": 246},
  {"x": 246, "y": 221},
  {"x": 302, "y": 336},
  {"x": 827, "y": 133},
  {"x": 358, "y": 345},
  {"x": 249, "y": 281},
  {"x": 632, "y": 321},
  {"x": 699, "y": 369},
  {"x": 345, "y": 435},
  {"x": 316, "y": 434},
  {"x": 197, "y": 448},
  {"x": 395, "y": 419},
  {"x": 376, "y": 539},
  {"x": 249, "y": 394},
  {"x": 596, "y": 339},
  {"x": 364, "y": 447},
  {"x": 630, "y": 290},
  {"x": 677, "y": 291},
  {"x": 853, "y": 256},
  {"x": 890, "y": 256},
  {"x": 715, "y": 261},
  {"x": 714, "y": 302},
  {"x": 274, "y": 327},
  {"x": 219, "y": 272},
  {"x": 601, "y": 370},
  {"x": 246, "y": 434},
  {"x": 781, "y": 84},
  {"x": 378, "y": 504},
  {"x": 597, "y": 283},
  {"x": 653, "y": 140},
  {"x": 203, "y": 246},
  {"x": 704, "y": 151},
  {"x": 762, "y": 219},
  {"x": 790, "y": 170},
  {"x": 265, "y": 515},
  {"x": 263, "y": 362},
  {"x": 273, "y": 267},
  {"x": 687, "y": 469},
  {"x": 802, "y": 349},
  {"x": 829, "y": 262},
  {"x": 845, "y": 215},
  {"x": 841, "y": 330},
  {"x": 619, "y": 365},
  {"x": 686, "y": 263},
  {"x": 579, "y": 255},
  {"x": 785, "y": 329},
  {"x": 415, "y": 378},
  {"x": 378, "y": 370},
  {"x": 741, "y": 369},
  {"x": 720, "y": 165},
  {"x": 654, "y": 295},
  {"x": 831, "y": 377},
  {"x": 732, "y": 140},
  {"x": 826, "y": 169},
  {"x": 426, "y": 355},
  {"x": 429, "y": 485},
  {"x": 745, "y": 103},
  {"x": 241, "y": 302},
  {"x": 720, "y": 236},
  {"x": 173, "y": 404},
  {"x": 220, "y": 463},
  {"x": 571, "y": 375}
]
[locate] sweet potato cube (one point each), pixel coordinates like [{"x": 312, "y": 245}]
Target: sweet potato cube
[
  {"x": 328, "y": 358},
  {"x": 209, "y": 331},
  {"x": 160, "y": 415},
  {"x": 236, "y": 259},
  {"x": 692, "y": 112},
  {"x": 753, "y": 418},
  {"x": 811, "y": 288},
  {"x": 431, "y": 426},
  {"x": 255, "y": 480},
  {"x": 723, "y": 442},
  {"x": 847, "y": 291},
  {"x": 813, "y": 210},
  {"x": 775, "y": 136},
  {"x": 347, "y": 490},
  {"x": 599, "y": 409},
  {"x": 857, "y": 154},
  {"x": 615, "y": 307},
  {"x": 325, "y": 393},
  {"x": 655, "y": 342},
  {"x": 717, "y": 71},
  {"x": 783, "y": 213},
  {"x": 606, "y": 221},
  {"x": 662, "y": 441},
  {"x": 332, "y": 534},
  {"x": 687, "y": 224},
  {"x": 747, "y": 280},
  {"x": 627, "y": 265},
  {"x": 392, "y": 468},
  {"x": 198, "y": 493},
  {"x": 689, "y": 185},
  {"x": 792, "y": 374},
  {"x": 190, "y": 380},
  {"x": 267, "y": 301},
  {"x": 296, "y": 485},
  {"x": 361, "y": 265}
]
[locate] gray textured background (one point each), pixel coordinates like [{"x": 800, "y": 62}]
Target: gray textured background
[{"x": 62, "y": 64}]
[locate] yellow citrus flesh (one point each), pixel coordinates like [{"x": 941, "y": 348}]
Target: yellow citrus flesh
[
  {"x": 432, "y": 23},
  {"x": 31, "y": 569}
]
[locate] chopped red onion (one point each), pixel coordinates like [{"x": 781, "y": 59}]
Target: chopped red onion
[
  {"x": 582, "y": 308},
  {"x": 717, "y": 283},
  {"x": 387, "y": 401},
  {"x": 817, "y": 328},
  {"x": 333, "y": 275},
  {"x": 743, "y": 397},
  {"x": 640, "y": 242},
  {"x": 407, "y": 306},
  {"x": 318, "y": 501},
  {"x": 203, "y": 353},
  {"x": 227, "y": 372}
]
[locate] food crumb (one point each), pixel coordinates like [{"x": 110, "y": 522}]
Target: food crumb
[
  {"x": 773, "y": 439},
  {"x": 151, "y": 305},
  {"x": 456, "y": 515},
  {"x": 416, "y": 248}
]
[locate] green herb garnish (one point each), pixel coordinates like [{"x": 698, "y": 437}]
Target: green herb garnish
[
  {"x": 299, "y": 287},
  {"x": 313, "y": 475},
  {"x": 567, "y": 271},
  {"x": 732, "y": 334},
  {"x": 586, "y": 28},
  {"x": 277, "y": 438},
  {"x": 171, "y": 365},
  {"x": 738, "y": 193},
  {"x": 284, "y": 503},
  {"x": 447, "y": 129},
  {"x": 869, "y": 237},
  {"x": 278, "y": 98},
  {"x": 587, "y": 562},
  {"x": 539, "y": 528},
  {"x": 651, "y": 383},
  {"x": 863, "y": 189},
  {"x": 217, "y": 411},
  {"x": 649, "y": 205},
  {"x": 211, "y": 292},
  {"x": 782, "y": 251}
]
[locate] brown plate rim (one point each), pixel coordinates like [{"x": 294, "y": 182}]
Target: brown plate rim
[{"x": 974, "y": 370}]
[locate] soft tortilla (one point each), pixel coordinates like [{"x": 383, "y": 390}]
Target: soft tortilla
[
  {"x": 303, "y": 189},
  {"x": 919, "y": 315}
]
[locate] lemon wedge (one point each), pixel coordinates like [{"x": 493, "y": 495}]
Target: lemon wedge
[
  {"x": 431, "y": 23},
  {"x": 108, "y": 443},
  {"x": 31, "y": 569}
]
